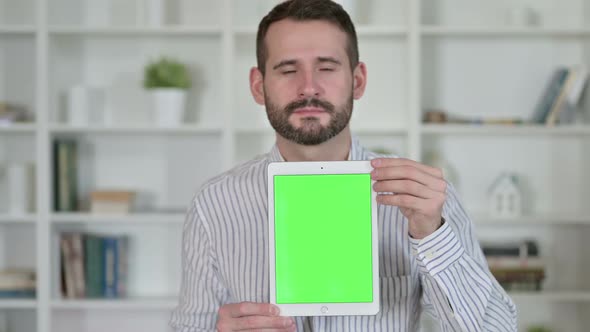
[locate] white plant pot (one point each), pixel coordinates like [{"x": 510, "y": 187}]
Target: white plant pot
[{"x": 169, "y": 106}]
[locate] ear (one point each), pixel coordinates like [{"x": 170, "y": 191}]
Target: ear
[
  {"x": 359, "y": 76},
  {"x": 257, "y": 85}
]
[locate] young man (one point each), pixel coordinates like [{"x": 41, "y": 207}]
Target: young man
[{"x": 308, "y": 75}]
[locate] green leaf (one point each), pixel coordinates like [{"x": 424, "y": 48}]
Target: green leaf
[{"x": 166, "y": 73}]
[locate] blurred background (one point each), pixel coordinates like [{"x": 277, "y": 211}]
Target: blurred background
[{"x": 114, "y": 112}]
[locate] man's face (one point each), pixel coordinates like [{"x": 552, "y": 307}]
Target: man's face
[{"x": 308, "y": 84}]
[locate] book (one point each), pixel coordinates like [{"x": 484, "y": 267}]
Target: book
[
  {"x": 525, "y": 248},
  {"x": 504, "y": 262},
  {"x": 118, "y": 202},
  {"x": 17, "y": 280},
  {"x": 18, "y": 293},
  {"x": 110, "y": 259},
  {"x": 549, "y": 95},
  {"x": 519, "y": 278},
  {"x": 72, "y": 253},
  {"x": 67, "y": 266},
  {"x": 65, "y": 175},
  {"x": 78, "y": 265},
  {"x": 93, "y": 265},
  {"x": 561, "y": 102},
  {"x": 122, "y": 260}
]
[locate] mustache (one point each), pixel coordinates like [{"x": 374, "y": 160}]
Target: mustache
[{"x": 311, "y": 102}]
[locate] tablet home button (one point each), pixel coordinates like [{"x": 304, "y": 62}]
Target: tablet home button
[{"x": 324, "y": 310}]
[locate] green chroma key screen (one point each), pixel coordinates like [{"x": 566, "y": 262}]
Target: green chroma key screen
[{"x": 323, "y": 238}]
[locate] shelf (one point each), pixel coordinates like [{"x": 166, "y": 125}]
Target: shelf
[
  {"x": 130, "y": 219},
  {"x": 364, "y": 31},
  {"x": 513, "y": 130},
  {"x": 167, "y": 303},
  {"x": 547, "y": 220},
  {"x": 17, "y": 304},
  {"x": 553, "y": 296},
  {"x": 376, "y": 131},
  {"x": 381, "y": 31},
  {"x": 19, "y": 128},
  {"x": 17, "y": 29},
  {"x": 136, "y": 130},
  {"x": 433, "y": 31},
  {"x": 17, "y": 219},
  {"x": 135, "y": 31},
  {"x": 255, "y": 131}
]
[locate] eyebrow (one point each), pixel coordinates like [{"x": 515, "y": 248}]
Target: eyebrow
[
  {"x": 284, "y": 63},
  {"x": 329, "y": 59},
  {"x": 321, "y": 59}
]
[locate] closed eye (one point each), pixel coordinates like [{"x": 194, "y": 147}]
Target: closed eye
[
  {"x": 288, "y": 72},
  {"x": 326, "y": 69}
]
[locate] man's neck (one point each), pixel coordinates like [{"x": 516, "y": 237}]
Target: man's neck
[{"x": 336, "y": 148}]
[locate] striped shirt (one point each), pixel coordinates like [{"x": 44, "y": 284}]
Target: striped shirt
[{"x": 225, "y": 260}]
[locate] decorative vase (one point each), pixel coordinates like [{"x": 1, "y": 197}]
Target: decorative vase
[
  {"x": 169, "y": 106},
  {"x": 21, "y": 188},
  {"x": 85, "y": 105}
]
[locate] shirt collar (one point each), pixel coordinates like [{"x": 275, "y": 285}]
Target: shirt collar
[{"x": 355, "y": 152}]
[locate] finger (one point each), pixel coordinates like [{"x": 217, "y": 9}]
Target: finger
[
  {"x": 409, "y": 202},
  {"x": 404, "y": 187},
  {"x": 393, "y": 162},
  {"x": 262, "y": 322},
  {"x": 411, "y": 173},
  {"x": 289, "y": 329},
  {"x": 242, "y": 309}
]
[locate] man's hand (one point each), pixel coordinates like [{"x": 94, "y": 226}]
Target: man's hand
[
  {"x": 250, "y": 316},
  {"x": 418, "y": 190}
]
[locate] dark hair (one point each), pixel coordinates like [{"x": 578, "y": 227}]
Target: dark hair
[{"x": 308, "y": 10}]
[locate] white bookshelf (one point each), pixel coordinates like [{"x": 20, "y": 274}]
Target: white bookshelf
[
  {"x": 17, "y": 219},
  {"x": 18, "y": 128},
  {"x": 135, "y": 130},
  {"x": 131, "y": 219},
  {"x": 121, "y": 304},
  {"x": 18, "y": 304},
  {"x": 532, "y": 220},
  {"x": 563, "y": 296},
  {"x": 457, "y": 55},
  {"x": 134, "y": 31},
  {"x": 17, "y": 30},
  {"x": 503, "y": 130},
  {"x": 513, "y": 32}
]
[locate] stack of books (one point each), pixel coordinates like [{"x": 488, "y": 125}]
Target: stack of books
[
  {"x": 111, "y": 201},
  {"x": 559, "y": 101},
  {"x": 516, "y": 266},
  {"x": 17, "y": 283},
  {"x": 11, "y": 113},
  {"x": 93, "y": 266}
]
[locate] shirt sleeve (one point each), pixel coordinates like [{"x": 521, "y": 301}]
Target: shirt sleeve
[
  {"x": 458, "y": 287},
  {"x": 201, "y": 290}
]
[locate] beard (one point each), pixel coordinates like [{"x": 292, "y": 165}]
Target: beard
[{"x": 311, "y": 131}]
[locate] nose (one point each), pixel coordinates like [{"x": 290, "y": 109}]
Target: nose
[{"x": 308, "y": 86}]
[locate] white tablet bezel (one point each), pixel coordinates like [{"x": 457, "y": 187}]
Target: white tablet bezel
[{"x": 323, "y": 309}]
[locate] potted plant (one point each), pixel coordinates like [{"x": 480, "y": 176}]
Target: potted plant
[{"x": 168, "y": 80}]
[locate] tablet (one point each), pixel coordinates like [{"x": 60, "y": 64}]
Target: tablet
[{"x": 323, "y": 258}]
